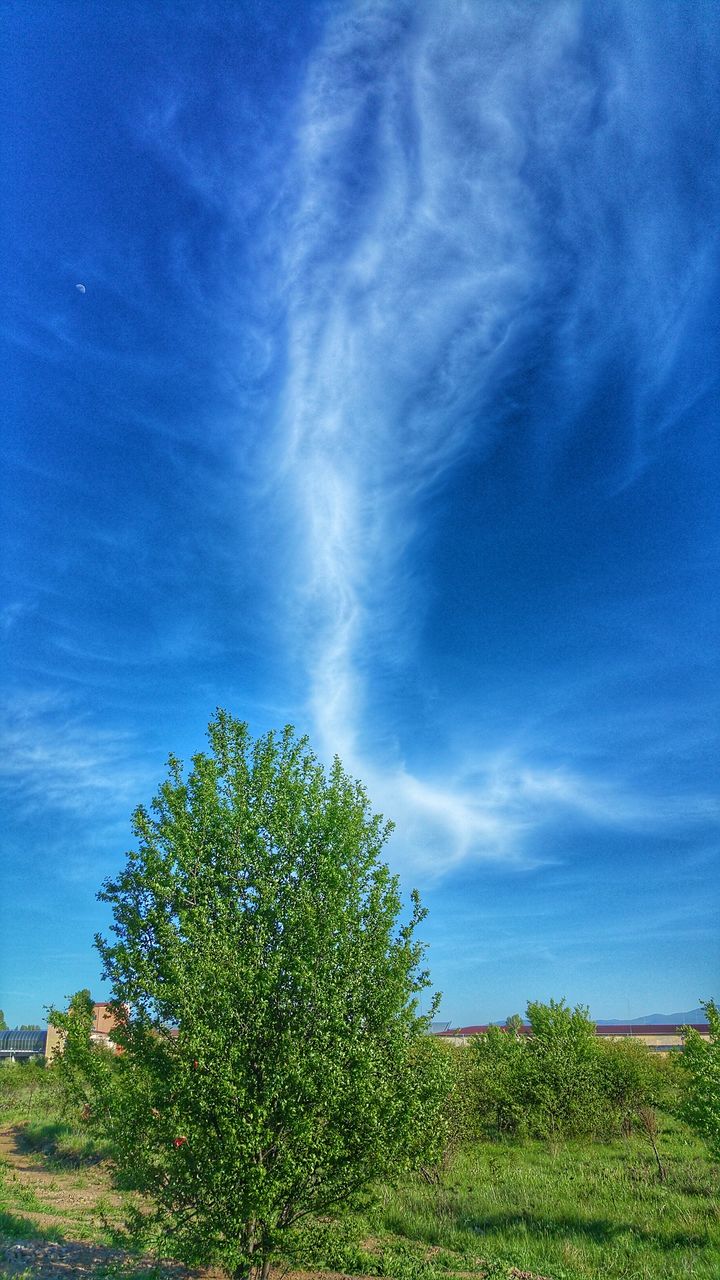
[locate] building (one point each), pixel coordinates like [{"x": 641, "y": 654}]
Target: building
[
  {"x": 104, "y": 1021},
  {"x": 20, "y": 1046},
  {"x": 660, "y": 1037}
]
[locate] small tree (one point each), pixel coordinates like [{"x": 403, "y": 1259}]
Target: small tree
[
  {"x": 631, "y": 1078},
  {"x": 3, "y": 1023},
  {"x": 84, "y": 1068},
  {"x": 273, "y": 1060},
  {"x": 562, "y": 1088},
  {"x": 459, "y": 1120},
  {"x": 496, "y": 1084},
  {"x": 701, "y": 1063}
]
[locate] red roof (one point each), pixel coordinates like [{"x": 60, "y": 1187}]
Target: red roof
[
  {"x": 613, "y": 1029},
  {"x": 479, "y": 1030},
  {"x": 649, "y": 1028}
]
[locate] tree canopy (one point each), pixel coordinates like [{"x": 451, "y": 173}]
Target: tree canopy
[{"x": 266, "y": 980}]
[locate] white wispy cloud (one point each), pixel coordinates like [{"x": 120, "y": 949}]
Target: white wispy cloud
[
  {"x": 416, "y": 260},
  {"x": 451, "y": 197},
  {"x": 56, "y": 757},
  {"x": 11, "y": 614}
]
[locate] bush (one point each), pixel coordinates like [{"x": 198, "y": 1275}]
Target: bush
[
  {"x": 631, "y": 1079},
  {"x": 701, "y": 1066},
  {"x": 561, "y": 1080},
  {"x": 496, "y": 1088}
]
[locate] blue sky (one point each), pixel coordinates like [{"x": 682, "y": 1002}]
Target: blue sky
[{"x": 389, "y": 409}]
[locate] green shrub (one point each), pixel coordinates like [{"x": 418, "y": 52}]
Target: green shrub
[
  {"x": 561, "y": 1080},
  {"x": 560, "y": 1077},
  {"x": 631, "y": 1079},
  {"x": 495, "y": 1089},
  {"x": 701, "y": 1065}
]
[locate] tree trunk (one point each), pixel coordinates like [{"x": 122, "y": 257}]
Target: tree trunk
[
  {"x": 253, "y": 1271},
  {"x": 649, "y": 1123}
]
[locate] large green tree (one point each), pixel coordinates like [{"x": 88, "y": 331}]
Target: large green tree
[{"x": 273, "y": 1058}]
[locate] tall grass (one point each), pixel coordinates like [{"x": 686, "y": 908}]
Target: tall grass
[
  {"x": 27, "y": 1091},
  {"x": 579, "y": 1209}
]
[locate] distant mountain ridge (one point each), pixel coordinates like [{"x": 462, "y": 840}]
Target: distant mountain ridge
[{"x": 695, "y": 1015}]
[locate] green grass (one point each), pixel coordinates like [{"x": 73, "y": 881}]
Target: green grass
[
  {"x": 572, "y": 1211},
  {"x": 31, "y": 1103},
  {"x": 15, "y": 1227},
  {"x": 69, "y": 1222},
  {"x": 30, "y": 1095},
  {"x": 579, "y": 1209},
  {"x": 64, "y": 1146}
]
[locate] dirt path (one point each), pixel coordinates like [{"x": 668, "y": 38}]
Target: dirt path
[
  {"x": 70, "y": 1198},
  {"x": 47, "y": 1201},
  {"x": 61, "y": 1194},
  {"x": 44, "y": 1260}
]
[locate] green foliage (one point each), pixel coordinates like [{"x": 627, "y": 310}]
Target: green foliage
[
  {"x": 273, "y": 1060},
  {"x": 23, "y": 1087},
  {"x": 561, "y": 1081},
  {"x": 85, "y": 1069},
  {"x": 496, "y": 1085},
  {"x": 632, "y": 1079},
  {"x": 458, "y": 1119},
  {"x": 544, "y": 1084},
  {"x": 560, "y": 1068},
  {"x": 3, "y": 1023},
  {"x": 701, "y": 1065},
  {"x": 341, "y": 1245}
]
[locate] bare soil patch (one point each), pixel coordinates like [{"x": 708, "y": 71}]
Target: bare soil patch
[
  {"x": 86, "y": 1194},
  {"x": 46, "y": 1260}
]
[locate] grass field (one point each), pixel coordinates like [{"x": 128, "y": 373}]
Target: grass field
[
  {"x": 570, "y": 1211},
  {"x": 577, "y": 1209}
]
